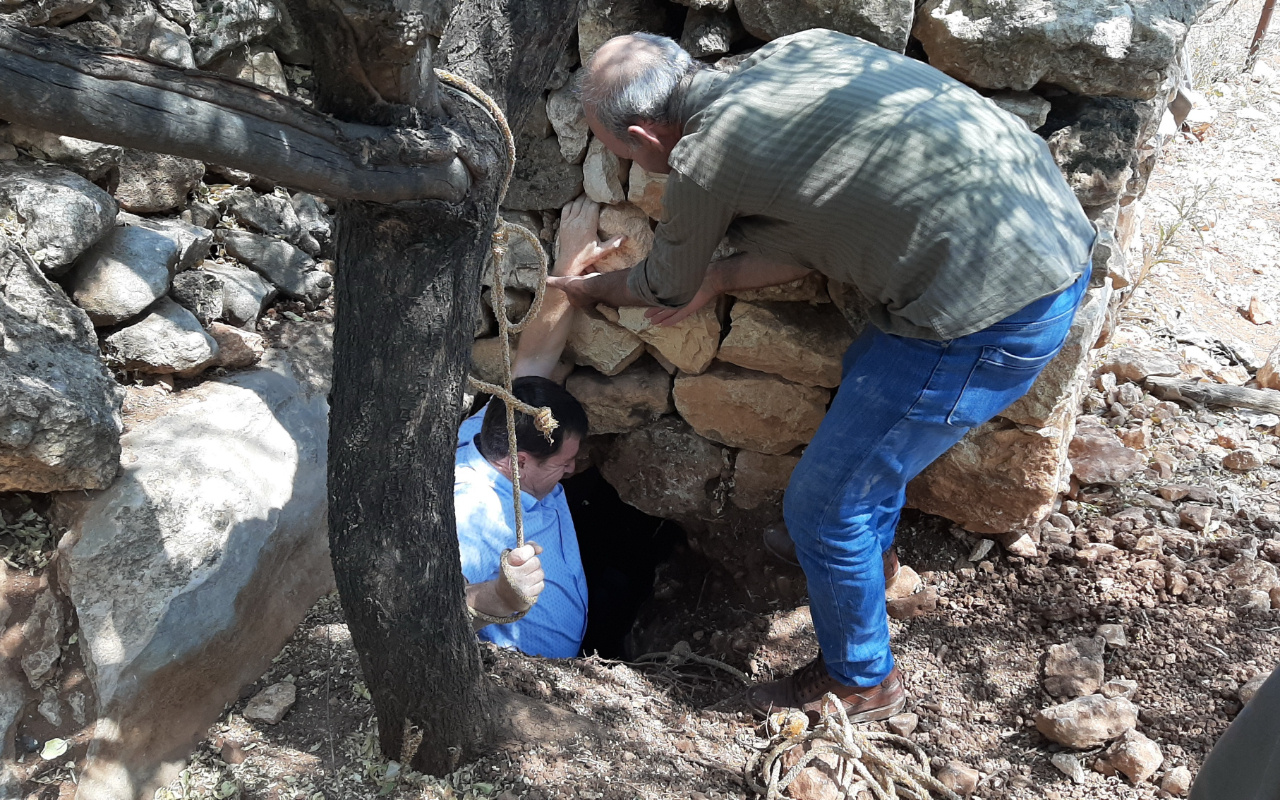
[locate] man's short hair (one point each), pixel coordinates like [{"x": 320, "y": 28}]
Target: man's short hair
[
  {"x": 538, "y": 392},
  {"x": 650, "y": 92}
]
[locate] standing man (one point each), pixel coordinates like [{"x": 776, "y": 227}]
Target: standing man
[{"x": 822, "y": 151}]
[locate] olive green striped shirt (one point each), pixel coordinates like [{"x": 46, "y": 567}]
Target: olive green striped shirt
[{"x": 877, "y": 170}]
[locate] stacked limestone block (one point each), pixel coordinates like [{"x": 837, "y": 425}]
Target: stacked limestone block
[{"x": 704, "y": 421}]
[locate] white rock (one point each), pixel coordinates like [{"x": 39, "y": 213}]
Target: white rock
[
  {"x": 209, "y": 548},
  {"x": 602, "y": 174},
  {"x": 58, "y": 214},
  {"x": 167, "y": 339},
  {"x": 564, "y": 110},
  {"x": 124, "y": 273}
]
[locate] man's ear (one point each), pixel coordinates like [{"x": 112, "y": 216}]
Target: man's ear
[{"x": 641, "y": 137}]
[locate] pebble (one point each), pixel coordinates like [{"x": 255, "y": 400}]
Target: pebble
[
  {"x": 1174, "y": 491},
  {"x": 1120, "y": 687},
  {"x": 1242, "y": 460},
  {"x": 1113, "y": 635},
  {"x": 1068, "y": 765},
  {"x": 1087, "y": 721},
  {"x": 1250, "y": 688},
  {"x": 903, "y": 724},
  {"x": 959, "y": 778},
  {"x": 1074, "y": 668},
  {"x": 1176, "y": 782},
  {"x": 916, "y": 605},
  {"x": 1195, "y": 517},
  {"x": 270, "y": 704},
  {"x": 1134, "y": 755}
]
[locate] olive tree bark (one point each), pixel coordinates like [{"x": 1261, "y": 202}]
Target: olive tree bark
[
  {"x": 407, "y": 287},
  {"x": 416, "y": 176}
]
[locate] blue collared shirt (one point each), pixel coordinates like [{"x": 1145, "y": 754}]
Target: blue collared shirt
[{"x": 554, "y": 627}]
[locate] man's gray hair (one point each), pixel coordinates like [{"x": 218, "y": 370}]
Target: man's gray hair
[{"x": 651, "y": 92}]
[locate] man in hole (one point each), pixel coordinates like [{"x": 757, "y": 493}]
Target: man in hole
[
  {"x": 556, "y": 623},
  {"x": 822, "y": 151}
]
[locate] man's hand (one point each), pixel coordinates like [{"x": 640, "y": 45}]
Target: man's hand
[
  {"x": 527, "y": 577},
  {"x": 579, "y": 247},
  {"x": 670, "y": 316}
]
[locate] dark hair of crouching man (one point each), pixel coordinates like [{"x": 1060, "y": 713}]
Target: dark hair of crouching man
[{"x": 538, "y": 392}]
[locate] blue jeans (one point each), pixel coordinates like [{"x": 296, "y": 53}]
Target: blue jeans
[{"x": 902, "y": 403}]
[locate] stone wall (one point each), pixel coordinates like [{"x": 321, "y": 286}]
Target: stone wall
[
  {"x": 704, "y": 421},
  {"x": 140, "y": 292}
]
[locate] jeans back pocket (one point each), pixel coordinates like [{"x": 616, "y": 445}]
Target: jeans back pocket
[{"x": 997, "y": 379}]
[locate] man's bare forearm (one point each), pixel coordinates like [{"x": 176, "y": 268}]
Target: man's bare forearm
[
  {"x": 484, "y": 597},
  {"x": 610, "y": 288},
  {"x": 744, "y": 271}
]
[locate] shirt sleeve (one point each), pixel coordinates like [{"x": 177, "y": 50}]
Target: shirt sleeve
[{"x": 693, "y": 223}]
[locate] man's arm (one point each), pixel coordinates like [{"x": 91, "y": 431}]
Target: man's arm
[
  {"x": 737, "y": 273},
  {"x": 693, "y": 223},
  {"x": 497, "y": 597},
  {"x": 543, "y": 338}
]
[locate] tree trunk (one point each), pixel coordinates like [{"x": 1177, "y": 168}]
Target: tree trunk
[
  {"x": 408, "y": 280},
  {"x": 405, "y": 312},
  {"x": 408, "y": 284}
]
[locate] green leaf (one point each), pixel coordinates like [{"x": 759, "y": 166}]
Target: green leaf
[
  {"x": 227, "y": 789},
  {"x": 53, "y": 748}
]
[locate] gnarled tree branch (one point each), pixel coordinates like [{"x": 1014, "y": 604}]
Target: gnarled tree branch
[{"x": 108, "y": 96}]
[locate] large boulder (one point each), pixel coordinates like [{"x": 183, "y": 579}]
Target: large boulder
[
  {"x": 193, "y": 242},
  {"x": 600, "y": 344},
  {"x": 601, "y": 20},
  {"x": 154, "y": 182},
  {"x": 667, "y": 470},
  {"x": 1091, "y": 47},
  {"x": 245, "y": 293},
  {"x": 59, "y": 407},
  {"x": 45, "y": 12},
  {"x": 1000, "y": 477},
  {"x": 289, "y": 269},
  {"x": 166, "y": 340},
  {"x": 58, "y": 214},
  {"x": 256, "y": 64},
  {"x": 207, "y": 551},
  {"x": 128, "y": 270},
  {"x": 542, "y": 177},
  {"x": 615, "y": 405},
  {"x": 689, "y": 344},
  {"x": 743, "y": 408},
  {"x": 237, "y": 23},
  {"x": 884, "y": 22}
]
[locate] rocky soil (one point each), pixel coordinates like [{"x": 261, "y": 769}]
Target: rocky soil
[{"x": 1096, "y": 656}]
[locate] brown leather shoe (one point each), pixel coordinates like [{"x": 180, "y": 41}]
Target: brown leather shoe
[
  {"x": 780, "y": 545},
  {"x": 807, "y": 686}
]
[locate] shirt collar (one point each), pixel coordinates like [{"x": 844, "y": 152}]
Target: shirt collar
[
  {"x": 470, "y": 456},
  {"x": 705, "y": 87}
]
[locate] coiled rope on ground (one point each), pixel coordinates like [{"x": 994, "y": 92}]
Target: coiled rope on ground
[{"x": 860, "y": 765}]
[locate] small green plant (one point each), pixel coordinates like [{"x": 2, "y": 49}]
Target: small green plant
[{"x": 1188, "y": 210}]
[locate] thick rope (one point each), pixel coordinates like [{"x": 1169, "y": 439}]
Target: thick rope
[
  {"x": 545, "y": 421},
  {"x": 861, "y": 766}
]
